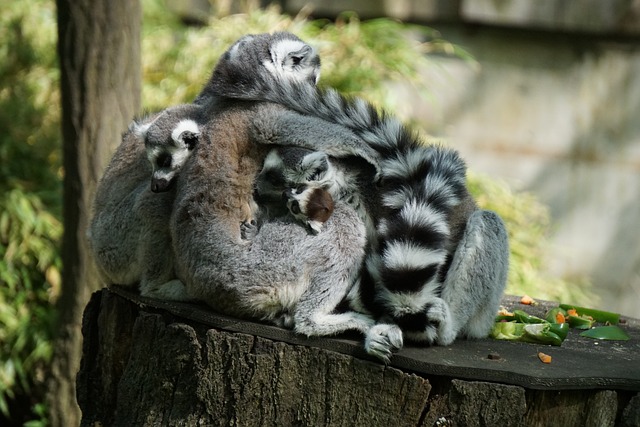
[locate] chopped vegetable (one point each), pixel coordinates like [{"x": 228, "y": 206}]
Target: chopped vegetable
[
  {"x": 560, "y": 329},
  {"x": 556, "y": 315},
  {"x": 507, "y": 331},
  {"x": 504, "y": 314},
  {"x": 525, "y": 317},
  {"x": 544, "y": 358},
  {"x": 598, "y": 315},
  {"x": 614, "y": 333},
  {"x": 539, "y": 333},
  {"x": 580, "y": 322},
  {"x": 527, "y": 300},
  {"x": 572, "y": 312}
]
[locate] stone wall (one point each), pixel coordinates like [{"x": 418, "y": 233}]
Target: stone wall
[{"x": 553, "y": 107}]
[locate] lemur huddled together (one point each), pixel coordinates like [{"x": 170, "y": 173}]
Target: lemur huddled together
[{"x": 272, "y": 199}]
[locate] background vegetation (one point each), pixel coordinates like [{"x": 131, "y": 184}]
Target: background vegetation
[{"x": 358, "y": 58}]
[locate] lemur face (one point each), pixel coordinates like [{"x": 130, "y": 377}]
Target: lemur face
[
  {"x": 289, "y": 168},
  {"x": 294, "y": 178},
  {"x": 169, "y": 142},
  {"x": 310, "y": 205}
]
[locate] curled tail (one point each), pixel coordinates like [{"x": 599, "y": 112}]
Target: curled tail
[
  {"x": 382, "y": 132},
  {"x": 420, "y": 191}
]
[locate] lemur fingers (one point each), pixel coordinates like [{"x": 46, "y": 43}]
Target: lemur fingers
[{"x": 382, "y": 340}]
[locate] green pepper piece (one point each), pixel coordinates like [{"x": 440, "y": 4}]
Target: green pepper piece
[
  {"x": 541, "y": 333},
  {"x": 551, "y": 314},
  {"x": 507, "y": 331},
  {"x": 580, "y": 322},
  {"x": 598, "y": 315},
  {"x": 613, "y": 333},
  {"x": 524, "y": 317},
  {"x": 538, "y": 333},
  {"x": 507, "y": 317},
  {"x": 560, "y": 329}
]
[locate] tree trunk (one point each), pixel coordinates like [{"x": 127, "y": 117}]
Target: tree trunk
[
  {"x": 100, "y": 75},
  {"x": 155, "y": 363}
]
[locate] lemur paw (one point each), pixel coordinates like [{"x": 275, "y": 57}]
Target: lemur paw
[
  {"x": 248, "y": 230},
  {"x": 285, "y": 320},
  {"x": 441, "y": 323},
  {"x": 383, "y": 340},
  {"x": 439, "y": 329}
]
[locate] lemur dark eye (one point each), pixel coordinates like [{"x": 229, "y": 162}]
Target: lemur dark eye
[
  {"x": 296, "y": 60},
  {"x": 300, "y": 188},
  {"x": 163, "y": 160},
  {"x": 274, "y": 177}
]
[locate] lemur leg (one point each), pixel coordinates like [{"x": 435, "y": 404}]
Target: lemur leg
[
  {"x": 331, "y": 280},
  {"x": 314, "y": 313},
  {"x": 477, "y": 277},
  {"x": 159, "y": 278}
]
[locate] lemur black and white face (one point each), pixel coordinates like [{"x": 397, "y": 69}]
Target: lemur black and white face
[
  {"x": 169, "y": 141},
  {"x": 297, "y": 178},
  {"x": 256, "y": 61}
]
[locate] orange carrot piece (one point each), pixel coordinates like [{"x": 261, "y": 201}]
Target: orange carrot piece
[
  {"x": 527, "y": 300},
  {"x": 560, "y": 318},
  {"x": 572, "y": 312},
  {"x": 544, "y": 358}
]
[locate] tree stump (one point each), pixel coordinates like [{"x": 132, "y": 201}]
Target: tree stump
[{"x": 153, "y": 363}]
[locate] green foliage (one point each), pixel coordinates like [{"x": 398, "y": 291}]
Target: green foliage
[
  {"x": 30, "y": 156},
  {"x": 30, "y": 230},
  {"x": 29, "y": 276},
  {"x": 358, "y": 58},
  {"x": 528, "y": 225}
]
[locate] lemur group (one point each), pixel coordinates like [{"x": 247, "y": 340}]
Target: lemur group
[{"x": 272, "y": 199}]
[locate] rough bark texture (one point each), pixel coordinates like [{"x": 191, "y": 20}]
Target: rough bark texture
[
  {"x": 99, "y": 52},
  {"x": 146, "y": 367}
]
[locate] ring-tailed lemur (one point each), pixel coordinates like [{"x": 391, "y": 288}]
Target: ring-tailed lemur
[
  {"x": 438, "y": 267},
  {"x": 128, "y": 232},
  {"x": 283, "y": 273}
]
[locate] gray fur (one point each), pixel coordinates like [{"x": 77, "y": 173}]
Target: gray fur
[
  {"x": 480, "y": 251},
  {"x": 281, "y": 274},
  {"x": 128, "y": 233}
]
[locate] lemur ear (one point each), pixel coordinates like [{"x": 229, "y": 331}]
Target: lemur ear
[
  {"x": 190, "y": 139},
  {"x": 315, "y": 159},
  {"x": 233, "y": 52},
  {"x": 316, "y": 163},
  {"x": 299, "y": 57},
  {"x": 140, "y": 129},
  {"x": 186, "y": 132},
  {"x": 306, "y": 59}
]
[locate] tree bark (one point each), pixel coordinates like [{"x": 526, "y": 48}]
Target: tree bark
[
  {"x": 100, "y": 77},
  {"x": 146, "y": 366}
]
